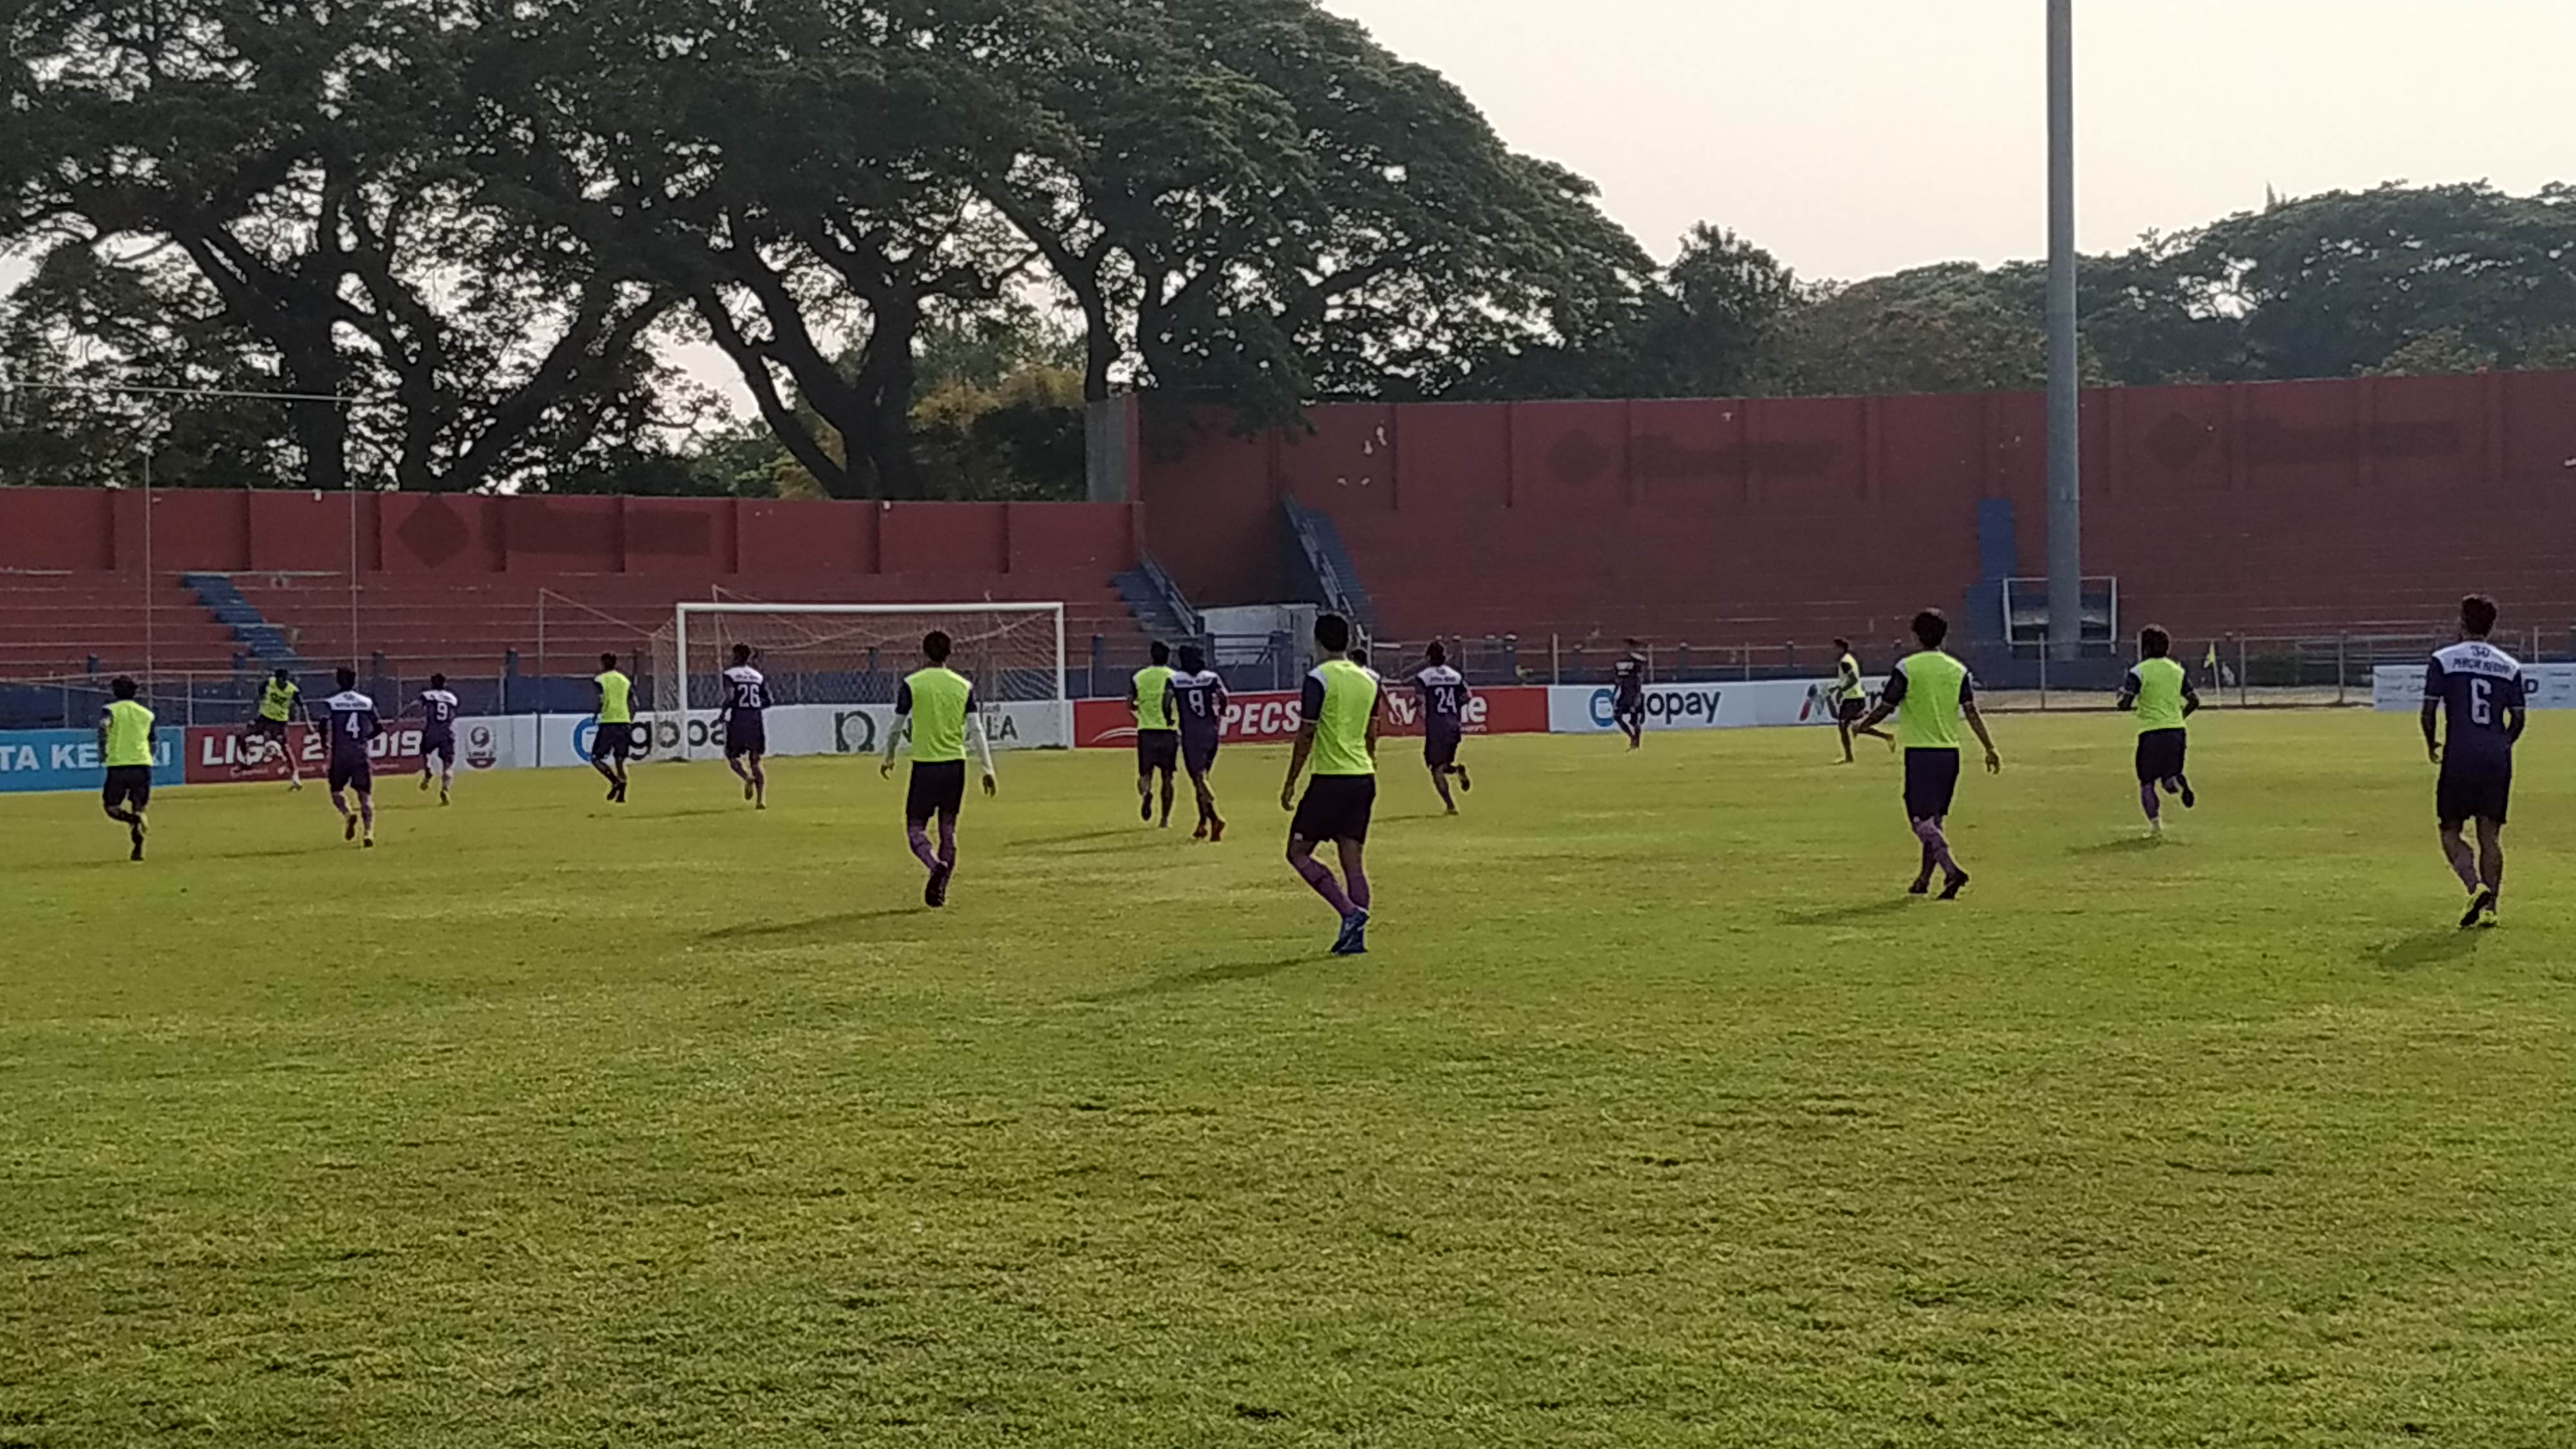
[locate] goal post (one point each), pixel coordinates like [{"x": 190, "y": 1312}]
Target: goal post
[{"x": 833, "y": 670}]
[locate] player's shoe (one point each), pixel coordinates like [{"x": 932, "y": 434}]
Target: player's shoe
[
  {"x": 2481, "y": 909},
  {"x": 1216, "y": 829},
  {"x": 1463, "y": 782},
  {"x": 2189, "y": 799},
  {"x": 370, "y": 841},
  {"x": 2156, "y": 828},
  {"x": 1922, "y": 885},
  {"x": 349, "y": 827},
  {"x": 293, "y": 786},
  {"x": 424, "y": 779},
  {"x": 1353, "y": 940},
  {"x": 1452, "y": 810},
  {"x": 747, "y": 791},
  {"x": 136, "y": 832},
  {"x": 1202, "y": 832},
  {"x": 442, "y": 795},
  {"x": 1144, "y": 807},
  {"x": 1950, "y": 888},
  {"x": 934, "y": 893}
]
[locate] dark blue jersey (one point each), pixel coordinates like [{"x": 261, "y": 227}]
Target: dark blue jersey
[
  {"x": 2480, "y": 689},
  {"x": 746, "y": 694},
  {"x": 352, "y": 723},
  {"x": 1198, "y": 703},
  {"x": 1444, "y": 698},
  {"x": 1629, "y": 675},
  {"x": 438, "y": 710}
]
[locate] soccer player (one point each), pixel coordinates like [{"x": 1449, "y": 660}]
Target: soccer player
[
  {"x": 438, "y": 709},
  {"x": 1928, "y": 693},
  {"x": 1628, "y": 699},
  {"x": 125, "y": 743},
  {"x": 747, "y": 725},
  {"x": 1339, "y": 734},
  {"x": 1198, "y": 702},
  {"x": 1158, "y": 739},
  {"x": 353, "y": 726},
  {"x": 2481, "y": 691},
  {"x": 2159, "y": 690},
  {"x": 612, "y": 737},
  {"x": 938, "y": 704},
  {"x": 267, "y": 730},
  {"x": 1851, "y": 700},
  {"x": 1444, "y": 721}
]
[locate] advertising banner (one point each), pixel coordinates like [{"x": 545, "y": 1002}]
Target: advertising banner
[
  {"x": 69, "y": 759},
  {"x": 2401, "y": 686},
  {"x": 213, "y": 750},
  {"x": 792, "y": 729},
  {"x": 1274, "y": 717},
  {"x": 1582, "y": 709}
]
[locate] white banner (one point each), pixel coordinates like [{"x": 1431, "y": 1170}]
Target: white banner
[
  {"x": 2400, "y": 687},
  {"x": 515, "y": 742},
  {"x": 1575, "y": 709}
]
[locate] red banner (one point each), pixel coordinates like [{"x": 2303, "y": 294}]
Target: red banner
[
  {"x": 1267, "y": 718},
  {"x": 214, "y": 749}
]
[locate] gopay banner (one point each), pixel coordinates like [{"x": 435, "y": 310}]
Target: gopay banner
[
  {"x": 1582, "y": 709},
  {"x": 2401, "y": 686}
]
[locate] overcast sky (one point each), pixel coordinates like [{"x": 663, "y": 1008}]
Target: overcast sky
[{"x": 1855, "y": 137}]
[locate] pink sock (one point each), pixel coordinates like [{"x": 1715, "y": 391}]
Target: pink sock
[{"x": 921, "y": 847}]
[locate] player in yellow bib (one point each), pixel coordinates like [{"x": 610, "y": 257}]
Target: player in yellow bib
[
  {"x": 1929, "y": 693},
  {"x": 612, "y": 738},
  {"x": 125, "y": 746},
  {"x": 1339, "y": 729},
  {"x": 1158, "y": 733},
  {"x": 267, "y": 732},
  {"x": 936, "y": 706},
  {"x": 2158, "y": 691},
  {"x": 1851, "y": 700}
]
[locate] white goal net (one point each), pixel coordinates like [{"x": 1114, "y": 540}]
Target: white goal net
[{"x": 832, "y": 671}]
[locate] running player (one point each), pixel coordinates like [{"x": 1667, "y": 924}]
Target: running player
[
  {"x": 612, "y": 737},
  {"x": 1339, "y": 733},
  {"x": 1444, "y": 721},
  {"x": 438, "y": 711},
  {"x": 938, "y": 705},
  {"x": 353, "y": 725},
  {"x": 1628, "y": 696},
  {"x": 2160, "y": 691},
  {"x": 267, "y": 730},
  {"x": 747, "y": 725},
  {"x": 2481, "y": 691},
  {"x": 1198, "y": 702},
  {"x": 1851, "y": 700},
  {"x": 1158, "y": 739},
  {"x": 1928, "y": 693},
  {"x": 125, "y": 743}
]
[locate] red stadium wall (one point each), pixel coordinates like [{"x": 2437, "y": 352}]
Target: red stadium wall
[
  {"x": 2242, "y": 507},
  {"x": 461, "y": 536}
]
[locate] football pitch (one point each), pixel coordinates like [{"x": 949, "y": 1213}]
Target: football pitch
[{"x": 1658, "y": 1115}]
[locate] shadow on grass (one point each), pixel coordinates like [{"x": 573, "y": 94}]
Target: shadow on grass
[
  {"x": 2125, "y": 845},
  {"x": 820, "y": 927},
  {"x": 1846, "y": 915},
  {"x": 277, "y": 852},
  {"x": 1139, "y": 831},
  {"x": 1217, "y": 974},
  {"x": 2423, "y": 949}
]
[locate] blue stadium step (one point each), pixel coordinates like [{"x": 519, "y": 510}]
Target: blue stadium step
[
  {"x": 1328, "y": 566},
  {"x": 264, "y": 641},
  {"x": 1157, "y": 602}
]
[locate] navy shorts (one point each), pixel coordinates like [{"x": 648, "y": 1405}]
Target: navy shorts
[
  {"x": 2160, "y": 754},
  {"x": 264, "y": 728},
  {"x": 746, "y": 734},
  {"x": 1336, "y": 807},
  {"x": 612, "y": 741},
  {"x": 1198, "y": 756},
  {"x": 1440, "y": 748},
  {"x": 358, "y": 774},
  {"x": 1158, "y": 750},
  {"x": 129, "y": 786},
  {"x": 438, "y": 747},
  {"x": 1852, "y": 711},
  {"x": 2473, "y": 790},
  {"x": 1931, "y": 783},
  {"x": 938, "y": 787}
]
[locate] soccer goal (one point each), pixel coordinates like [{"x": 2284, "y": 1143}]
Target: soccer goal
[{"x": 833, "y": 670}]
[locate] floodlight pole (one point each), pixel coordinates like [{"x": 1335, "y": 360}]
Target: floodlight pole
[{"x": 2065, "y": 493}]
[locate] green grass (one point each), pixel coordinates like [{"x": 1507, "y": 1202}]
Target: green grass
[{"x": 1657, "y": 1117}]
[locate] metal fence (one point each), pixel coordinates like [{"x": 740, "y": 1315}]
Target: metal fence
[{"x": 2237, "y": 670}]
